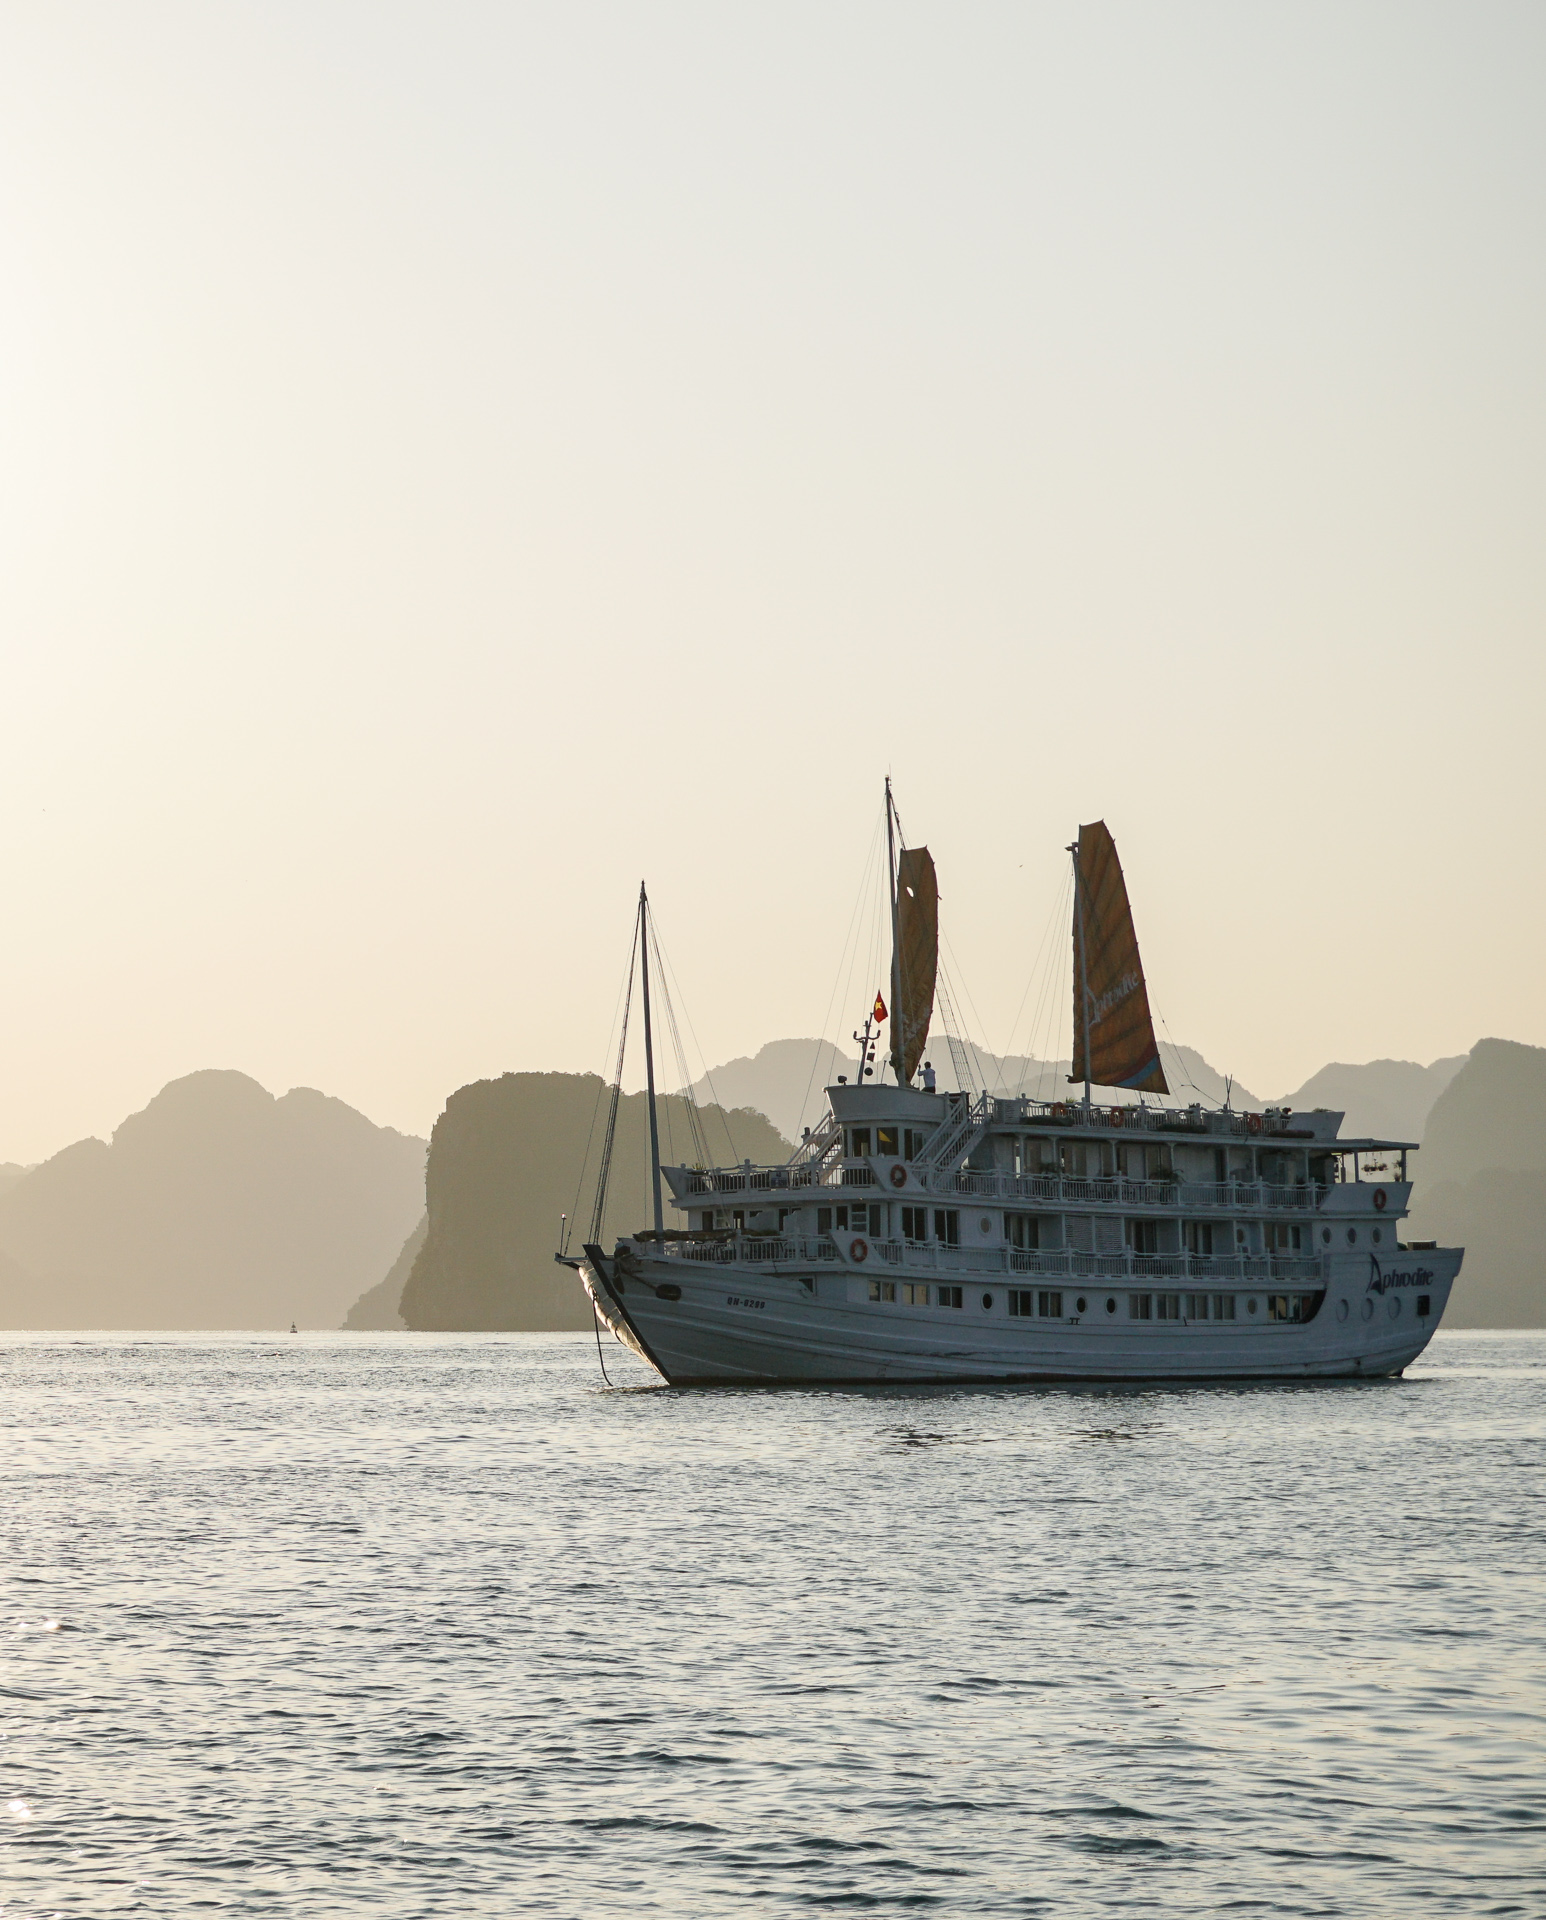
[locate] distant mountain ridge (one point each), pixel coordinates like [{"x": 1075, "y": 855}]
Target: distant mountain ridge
[{"x": 216, "y": 1206}]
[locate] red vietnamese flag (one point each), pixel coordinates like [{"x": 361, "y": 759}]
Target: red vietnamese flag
[{"x": 880, "y": 1008}]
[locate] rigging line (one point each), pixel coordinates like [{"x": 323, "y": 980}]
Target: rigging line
[
  {"x": 605, "y": 1173},
  {"x": 1180, "y": 1062},
  {"x": 982, "y": 1025},
  {"x": 966, "y": 1047},
  {"x": 958, "y": 1057},
  {"x": 1031, "y": 979},
  {"x": 601, "y": 1088},
  {"x": 1039, "y": 1036},
  {"x": 694, "y": 1114},
  {"x": 688, "y": 1097},
  {"x": 595, "y": 1314},
  {"x": 848, "y": 938}
]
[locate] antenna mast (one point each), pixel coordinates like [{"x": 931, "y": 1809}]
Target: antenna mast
[
  {"x": 649, "y": 1060},
  {"x": 898, "y": 1018}
]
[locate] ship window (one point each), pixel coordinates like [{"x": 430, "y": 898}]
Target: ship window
[
  {"x": 1197, "y": 1306},
  {"x": 1140, "y": 1306},
  {"x": 1050, "y": 1306},
  {"x": 1424, "y": 1306},
  {"x": 823, "y": 1219},
  {"x": 882, "y": 1289},
  {"x": 912, "y": 1141},
  {"x": 1080, "y": 1303},
  {"x": 1169, "y": 1306},
  {"x": 841, "y": 1215},
  {"x": 1277, "y": 1306},
  {"x": 1143, "y": 1235},
  {"x": 1020, "y": 1303},
  {"x": 915, "y": 1223},
  {"x": 1326, "y": 1235},
  {"x": 948, "y": 1296},
  {"x": 1199, "y": 1238},
  {"x": 1022, "y": 1230},
  {"x": 1074, "y": 1158},
  {"x": 947, "y": 1226},
  {"x": 1352, "y": 1236},
  {"x": 914, "y": 1295},
  {"x": 1111, "y": 1306},
  {"x": 861, "y": 1143},
  {"x": 1223, "y": 1306},
  {"x": 1375, "y": 1236},
  {"x": 885, "y": 1139}
]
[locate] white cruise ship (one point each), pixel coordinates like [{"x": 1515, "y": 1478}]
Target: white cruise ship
[{"x": 920, "y": 1236}]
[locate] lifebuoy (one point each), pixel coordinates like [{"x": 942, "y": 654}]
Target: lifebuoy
[
  {"x": 1379, "y": 1199},
  {"x": 1118, "y": 1118},
  {"x": 858, "y": 1251},
  {"x": 1253, "y": 1123},
  {"x": 898, "y": 1175},
  {"x": 1059, "y": 1110}
]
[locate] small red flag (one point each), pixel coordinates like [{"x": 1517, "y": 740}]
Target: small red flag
[{"x": 880, "y": 1008}]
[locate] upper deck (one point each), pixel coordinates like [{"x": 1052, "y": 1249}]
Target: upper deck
[{"x": 1019, "y": 1148}]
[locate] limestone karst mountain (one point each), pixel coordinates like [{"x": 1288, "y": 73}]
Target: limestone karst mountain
[
  {"x": 1390, "y": 1099},
  {"x": 376, "y": 1310},
  {"x": 1482, "y": 1185},
  {"x": 505, "y": 1162},
  {"x": 217, "y": 1206}
]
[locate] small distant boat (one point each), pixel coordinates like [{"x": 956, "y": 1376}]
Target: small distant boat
[
  {"x": 294, "y": 1328},
  {"x": 919, "y": 1236}
]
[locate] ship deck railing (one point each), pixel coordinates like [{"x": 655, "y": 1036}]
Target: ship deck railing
[
  {"x": 1047, "y": 1189},
  {"x": 1066, "y": 1262}
]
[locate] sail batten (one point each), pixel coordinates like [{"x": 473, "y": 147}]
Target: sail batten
[
  {"x": 917, "y": 941},
  {"x": 1111, "y": 997}
]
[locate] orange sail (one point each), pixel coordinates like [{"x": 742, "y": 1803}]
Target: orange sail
[
  {"x": 917, "y": 959},
  {"x": 1111, "y": 1001}
]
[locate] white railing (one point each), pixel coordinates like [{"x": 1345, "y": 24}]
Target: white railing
[
  {"x": 1172, "y": 1195},
  {"x": 1064, "y": 1262}
]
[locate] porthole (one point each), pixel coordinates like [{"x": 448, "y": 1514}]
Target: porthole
[
  {"x": 1341, "y": 1309},
  {"x": 1393, "y": 1306},
  {"x": 987, "y": 1302},
  {"x": 986, "y": 1224},
  {"x": 1250, "y": 1306},
  {"x": 1375, "y": 1236},
  {"x": 1111, "y": 1306},
  {"x": 1352, "y": 1236},
  {"x": 1326, "y": 1235},
  {"x": 1081, "y": 1303},
  {"x": 1367, "y": 1309}
]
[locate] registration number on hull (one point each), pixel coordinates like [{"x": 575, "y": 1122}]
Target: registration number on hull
[{"x": 743, "y": 1300}]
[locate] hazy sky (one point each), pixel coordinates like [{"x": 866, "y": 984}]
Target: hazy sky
[{"x": 459, "y": 459}]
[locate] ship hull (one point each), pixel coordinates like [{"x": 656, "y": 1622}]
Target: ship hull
[{"x": 728, "y": 1324}]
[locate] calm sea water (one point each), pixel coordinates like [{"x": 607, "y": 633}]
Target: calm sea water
[{"x": 397, "y": 1625}]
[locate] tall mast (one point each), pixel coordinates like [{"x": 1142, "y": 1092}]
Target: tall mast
[
  {"x": 649, "y": 1059},
  {"x": 898, "y": 1035},
  {"x": 1084, "y": 974}
]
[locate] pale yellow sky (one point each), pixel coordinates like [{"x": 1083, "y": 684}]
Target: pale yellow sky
[{"x": 456, "y": 460}]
